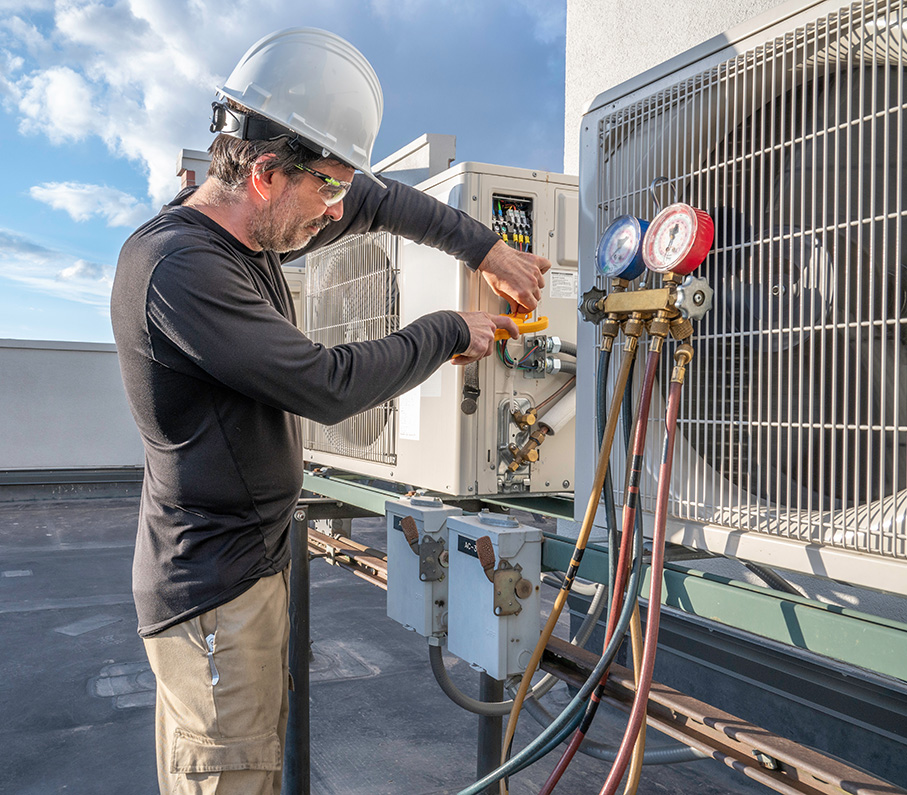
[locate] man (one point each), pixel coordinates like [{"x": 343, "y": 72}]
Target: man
[{"x": 217, "y": 375}]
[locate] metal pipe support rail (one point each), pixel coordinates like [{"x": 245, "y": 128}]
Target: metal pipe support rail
[
  {"x": 780, "y": 764},
  {"x": 783, "y": 765}
]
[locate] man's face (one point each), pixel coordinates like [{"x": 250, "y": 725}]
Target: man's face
[{"x": 296, "y": 211}]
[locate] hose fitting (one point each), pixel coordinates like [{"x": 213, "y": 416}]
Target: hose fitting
[
  {"x": 529, "y": 451},
  {"x": 682, "y": 357},
  {"x": 610, "y": 329},
  {"x": 634, "y": 326},
  {"x": 681, "y": 328}
]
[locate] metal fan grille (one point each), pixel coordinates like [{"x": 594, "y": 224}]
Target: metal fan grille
[
  {"x": 351, "y": 297},
  {"x": 794, "y": 420}
]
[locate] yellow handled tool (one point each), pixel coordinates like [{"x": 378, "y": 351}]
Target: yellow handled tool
[{"x": 524, "y": 325}]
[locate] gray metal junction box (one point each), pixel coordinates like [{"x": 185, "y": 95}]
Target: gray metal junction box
[
  {"x": 417, "y": 575},
  {"x": 494, "y": 626}
]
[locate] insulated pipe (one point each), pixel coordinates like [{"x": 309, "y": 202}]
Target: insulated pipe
[
  {"x": 585, "y": 530},
  {"x": 561, "y": 412},
  {"x": 657, "y": 567},
  {"x": 629, "y": 522}
]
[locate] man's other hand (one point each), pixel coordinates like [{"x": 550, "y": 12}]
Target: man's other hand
[
  {"x": 515, "y": 275},
  {"x": 482, "y": 327}
]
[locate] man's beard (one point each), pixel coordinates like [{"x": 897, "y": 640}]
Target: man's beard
[{"x": 276, "y": 227}]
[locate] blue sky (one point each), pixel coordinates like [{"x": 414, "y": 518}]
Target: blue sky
[{"x": 97, "y": 99}]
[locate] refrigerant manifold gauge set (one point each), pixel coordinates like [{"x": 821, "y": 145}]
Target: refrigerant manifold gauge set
[{"x": 673, "y": 244}]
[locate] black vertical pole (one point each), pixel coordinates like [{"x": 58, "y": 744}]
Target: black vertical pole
[
  {"x": 488, "y": 757},
  {"x": 296, "y": 758}
]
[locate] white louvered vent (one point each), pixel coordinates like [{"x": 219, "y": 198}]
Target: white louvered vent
[{"x": 794, "y": 419}]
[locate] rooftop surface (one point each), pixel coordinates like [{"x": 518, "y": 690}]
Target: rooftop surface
[{"x": 77, "y": 695}]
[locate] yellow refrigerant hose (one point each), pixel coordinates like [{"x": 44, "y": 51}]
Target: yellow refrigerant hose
[
  {"x": 583, "y": 538},
  {"x": 632, "y": 783}
]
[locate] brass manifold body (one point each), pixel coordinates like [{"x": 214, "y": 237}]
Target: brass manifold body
[{"x": 651, "y": 310}]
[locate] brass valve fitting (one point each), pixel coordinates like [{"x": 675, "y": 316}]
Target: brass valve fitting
[
  {"x": 682, "y": 357},
  {"x": 681, "y": 328},
  {"x": 634, "y": 326},
  {"x": 529, "y": 451}
]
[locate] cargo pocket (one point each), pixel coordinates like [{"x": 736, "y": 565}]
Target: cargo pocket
[{"x": 193, "y": 753}]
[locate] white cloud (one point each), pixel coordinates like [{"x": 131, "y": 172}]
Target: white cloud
[
  {"x": 140, "y": 74},
  {"x": 84, "y": 202},
  {"x": 52, "y": 272}
]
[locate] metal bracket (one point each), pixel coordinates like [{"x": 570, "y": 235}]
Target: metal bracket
[
  {"x": 432, "y": 557},
  {"x": 509, "y": 587},
  {"x": 431, "y": 552}
]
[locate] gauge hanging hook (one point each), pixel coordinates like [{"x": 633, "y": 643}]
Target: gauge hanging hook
[{"x": 655, "y": 183}]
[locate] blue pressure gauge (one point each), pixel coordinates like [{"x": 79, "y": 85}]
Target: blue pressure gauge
[{"x": 619, "y": 251}]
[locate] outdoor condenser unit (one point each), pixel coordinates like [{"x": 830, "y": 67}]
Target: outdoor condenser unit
[
  {"x": 442, "y": 436},
  {"x": 792, "y": 444}
]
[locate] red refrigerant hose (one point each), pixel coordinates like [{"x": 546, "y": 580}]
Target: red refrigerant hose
[
  {"x": 623, "y": 563},
  {"x": 640, "y": 701}
]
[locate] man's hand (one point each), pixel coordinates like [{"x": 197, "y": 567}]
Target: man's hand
[
  {"x": 515, "y": 275},
  {"x": 482, "y": 327}
]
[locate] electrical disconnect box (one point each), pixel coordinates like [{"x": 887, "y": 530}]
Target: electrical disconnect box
[
  {"x": 495, "y": 570},
  {"x": 417, "y": 560},
  {"x": 504, "y": 424}
]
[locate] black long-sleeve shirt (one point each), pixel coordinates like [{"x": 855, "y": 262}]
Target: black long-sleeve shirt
[{"x": 217, "y": 375}]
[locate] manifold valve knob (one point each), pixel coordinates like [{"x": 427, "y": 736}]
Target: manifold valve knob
[{"x": 694, "y": 297}]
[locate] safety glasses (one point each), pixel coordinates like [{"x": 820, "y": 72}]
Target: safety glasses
[{"x": 333, "y": 190}]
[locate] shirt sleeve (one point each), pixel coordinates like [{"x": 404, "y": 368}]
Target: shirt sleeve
[
  {"x": 206, "y": 317},
  {"x": 412, "y": 214}
]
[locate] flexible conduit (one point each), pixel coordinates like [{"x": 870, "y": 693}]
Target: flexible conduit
[{"x": 499, "y": 708}]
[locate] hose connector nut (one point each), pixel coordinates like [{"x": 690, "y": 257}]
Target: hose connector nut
[
  {"x": 681, "y": 328},
  {"x": 659, "y": 326}
]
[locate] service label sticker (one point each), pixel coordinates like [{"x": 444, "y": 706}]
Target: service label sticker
[{"x": 562, "y": 283}]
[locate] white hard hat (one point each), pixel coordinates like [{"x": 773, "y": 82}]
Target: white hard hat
[{"x": 316, "y": 85}]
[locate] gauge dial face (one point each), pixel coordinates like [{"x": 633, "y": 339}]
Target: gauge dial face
[
  {"x": 618, "y": 250},
  {"x": 670, "y": 237}
]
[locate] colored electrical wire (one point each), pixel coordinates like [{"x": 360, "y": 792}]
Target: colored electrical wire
[
  {"x": 656, "y": 570},
  {"x": 583, "y": 538},
  {"x": 629, "y": 522}
]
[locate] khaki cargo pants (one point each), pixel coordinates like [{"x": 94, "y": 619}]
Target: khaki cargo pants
[{"x": 222, "y": 716}]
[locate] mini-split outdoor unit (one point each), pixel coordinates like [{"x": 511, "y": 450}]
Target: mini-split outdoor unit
[
  {"x": 789, "y": 131},
  {"x": 442, "y": 436}
]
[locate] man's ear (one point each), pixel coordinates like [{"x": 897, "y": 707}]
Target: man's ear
[{"x": 262, "y": 178}]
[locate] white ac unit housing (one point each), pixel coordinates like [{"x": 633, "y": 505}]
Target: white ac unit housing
[
  {"x": 789, "y": 131},
  {"x": 367, "y": 286}
]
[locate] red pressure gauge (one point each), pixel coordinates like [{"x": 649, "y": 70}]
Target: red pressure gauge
[{"x": 678, "y": 239}]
